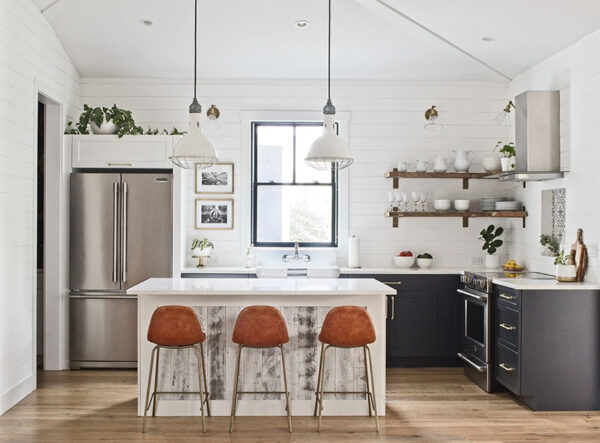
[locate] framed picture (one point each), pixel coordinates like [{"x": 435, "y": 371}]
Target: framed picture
[
  {"x": 214, "y": 214},
  {"x": 218, "y": 179}
]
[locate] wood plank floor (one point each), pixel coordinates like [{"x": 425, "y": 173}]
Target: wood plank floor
[{"x": 422, "y": 404}]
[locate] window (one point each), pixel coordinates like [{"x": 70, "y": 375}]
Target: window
[{"x": 290, "y": 200}]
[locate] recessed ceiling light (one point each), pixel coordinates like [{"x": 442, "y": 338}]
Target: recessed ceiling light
[
  {"x": 146, "y": 22},
  {"x": 488, "y": 39},
  {"x": 302, "y": 24}
]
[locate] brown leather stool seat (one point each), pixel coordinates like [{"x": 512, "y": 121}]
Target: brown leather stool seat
[
  {"x": 260, "y": 327},
  {"x": 347, "y": 327},
  {"x": 175, "y": 326}
]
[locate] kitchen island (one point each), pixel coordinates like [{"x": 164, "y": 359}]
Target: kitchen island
[{"x": 303, "y": 303}]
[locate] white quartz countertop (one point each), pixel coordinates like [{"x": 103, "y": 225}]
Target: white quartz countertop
[
  {"x": 237, "y": 286},
  {"x": 532, "y": 284},
  {"x": 345, "y": 271}
]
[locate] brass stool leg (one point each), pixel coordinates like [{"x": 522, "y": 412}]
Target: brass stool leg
[
  {"x": 199, "y": 358},
  {"x": 235, "y": 387},
  {"x": 369, "y": 399},
  {"x": 373, "y": 386},
  {"x": 287, "y": 394},
  {"x": 322, "y": 384},
  {"x": 319, "y": 380},
  {"x": 156, "y": 381},
  {"x": 205, "y": 382},
  {"x": 147, "y": 405}
]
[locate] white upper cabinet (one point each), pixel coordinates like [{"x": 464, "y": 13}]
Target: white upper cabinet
[{"x": 129, "y": 151}]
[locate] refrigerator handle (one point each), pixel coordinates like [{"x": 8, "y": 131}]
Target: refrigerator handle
[
  {"x": 124, "y": 235},
  {"x": 115, "y": 272}
]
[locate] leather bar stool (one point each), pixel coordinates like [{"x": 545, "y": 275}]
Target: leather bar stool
[
  {"x": 260, "y": 327},
  {"x": 176, "y": 327},
  {"x": 347, "y": 327}
]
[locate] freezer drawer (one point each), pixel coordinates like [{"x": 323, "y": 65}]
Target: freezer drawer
[{"x": 103, "y": 331}]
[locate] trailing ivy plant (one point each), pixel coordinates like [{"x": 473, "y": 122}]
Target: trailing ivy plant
[{"x": 491, "y": 242}]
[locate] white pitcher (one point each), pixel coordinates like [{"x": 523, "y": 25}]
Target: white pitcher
[{"x": 462, "y": 163}]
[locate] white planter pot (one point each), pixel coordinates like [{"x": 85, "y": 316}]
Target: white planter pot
[
  {"x": 492, "y": 261},
  {"x": 508, "y": 163},
  {"x": 202, "y": 252},
  {"x": 106, "y": 128},
  {"x": 566, "y": 273}
]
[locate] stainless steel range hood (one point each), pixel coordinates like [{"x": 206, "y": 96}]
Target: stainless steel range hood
[{"x": 537, "y": 137}]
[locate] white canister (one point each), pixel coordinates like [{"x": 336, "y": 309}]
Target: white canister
[{"x": 353, "y": 252}]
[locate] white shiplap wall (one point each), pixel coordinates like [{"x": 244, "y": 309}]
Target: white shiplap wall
[
  {"x": 575, "y": 72},
  {"x": 31, "y": 58},
  {"x": 386, "y": 125}
]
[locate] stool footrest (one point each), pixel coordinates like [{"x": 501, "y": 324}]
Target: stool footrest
[{"x": 261, "y": 392}]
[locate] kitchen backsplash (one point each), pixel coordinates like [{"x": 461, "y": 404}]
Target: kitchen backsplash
[{"x": 386, "y": 126}]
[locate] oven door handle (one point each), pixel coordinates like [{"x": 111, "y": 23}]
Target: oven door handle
[
  {"x": 469, "y": 294},
  {"x": 479, "y": 368}
]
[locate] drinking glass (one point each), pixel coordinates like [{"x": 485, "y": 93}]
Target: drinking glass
[
  {"x": 415, "y": 197},
  {"x": 405, "y": 200},
  {"x": 423, "y": 197},
  {"x": 391, "y": 199}
]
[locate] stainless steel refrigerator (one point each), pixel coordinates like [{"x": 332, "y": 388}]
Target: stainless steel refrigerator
[{"x": 121, "y": 235}]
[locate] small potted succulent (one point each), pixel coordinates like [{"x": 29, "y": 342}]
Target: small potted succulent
[
  {"x": 508, "y": 159},
  {"x": 550, "y": 246},
  {"x": 565, "y": 268},
  {"x": 491, "y": 243},
  {"x": 201, "y": 249}
]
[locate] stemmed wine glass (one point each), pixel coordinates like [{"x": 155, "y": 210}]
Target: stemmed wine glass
[
  {"x": 391, "y": 199},
  {"x": 415, "y": 197},
  {"x": 423, "y": 196},
  {"x": 405, "y": 200}
]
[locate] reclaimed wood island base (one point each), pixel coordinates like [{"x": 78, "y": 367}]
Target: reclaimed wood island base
[{"x": 304, "y": 304}]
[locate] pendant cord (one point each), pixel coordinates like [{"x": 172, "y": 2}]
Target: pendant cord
[
  {"x": 329, "y": 55},
  {"x": 195, "y": 41}
]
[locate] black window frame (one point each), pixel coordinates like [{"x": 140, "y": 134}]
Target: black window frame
[{"x": 256, "y": 184}]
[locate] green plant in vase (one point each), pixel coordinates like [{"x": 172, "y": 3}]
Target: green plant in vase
[
  {"x": 507, "y": 150},
  {"x": 491, "y": 243}
]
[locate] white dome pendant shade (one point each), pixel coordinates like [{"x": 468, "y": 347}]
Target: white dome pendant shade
[
  {"x": 329, "y": 151},
  {"x": 194, "y": 148}
]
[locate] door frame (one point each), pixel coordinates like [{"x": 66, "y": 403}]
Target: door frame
[{"x": 56, "y": 234}]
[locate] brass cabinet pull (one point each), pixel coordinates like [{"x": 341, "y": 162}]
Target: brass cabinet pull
[
  {"x": 507, "y": 297},
  {"x": 119, "y": 164},
  {"x": 391, "y": 282},
  {"x": 507, "y": 327},
  {"x": 507, "y": 368}
]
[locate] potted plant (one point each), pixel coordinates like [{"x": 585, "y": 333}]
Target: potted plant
[
  {"x": 550, "y": 246},
  {"x": 104, "y": 120},
  {"x": 507, "y": 151},
  {"x": 202, "y": 248},
  {"x": 491, "y": 243},
  {"x": 565, "y": 268}
]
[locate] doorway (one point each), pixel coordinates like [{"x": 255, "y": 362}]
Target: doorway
[{"x": 41, "y": 163}]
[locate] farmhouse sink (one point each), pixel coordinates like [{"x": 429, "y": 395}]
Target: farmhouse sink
[{"x": 312, "y": 272}]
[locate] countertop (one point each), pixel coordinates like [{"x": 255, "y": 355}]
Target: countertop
[
  {"x": 343, "y": 270},
  {"x": 531, "y": 284},
  {"x": 238, "y": 286}
]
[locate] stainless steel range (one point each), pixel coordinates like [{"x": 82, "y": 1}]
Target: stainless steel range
[{"x": 477, "y": 340}]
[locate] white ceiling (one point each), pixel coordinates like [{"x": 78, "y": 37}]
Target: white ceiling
[{"x": 241, "y": 38}]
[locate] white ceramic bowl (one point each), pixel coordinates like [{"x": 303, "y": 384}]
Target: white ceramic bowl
[
  {"x": 462, "y": 205},
  {"x": 404, "y": 262},
  {"x": 424, "y": 263},
  {"x": 491, "y": 164},
  {"x": 441, "y": 205}
]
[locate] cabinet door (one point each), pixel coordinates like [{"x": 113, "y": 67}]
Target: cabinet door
[
  {"x": 446, "y": 316},
  {"x": 408, "y": 334}
]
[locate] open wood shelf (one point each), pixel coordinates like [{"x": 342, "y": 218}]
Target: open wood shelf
[
  {"x": 465, "y": 215},
  {"x": 465, "y": 176}
]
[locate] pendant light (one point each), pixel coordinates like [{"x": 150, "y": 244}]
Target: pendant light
[
  {"x": 194, "y": 148},
  {"x": 329, "y": 151}
]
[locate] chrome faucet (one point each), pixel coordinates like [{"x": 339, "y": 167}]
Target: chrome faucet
[{"x": 304, "y": 257}]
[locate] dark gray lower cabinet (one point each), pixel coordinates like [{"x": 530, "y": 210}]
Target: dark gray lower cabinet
[
  {"x": 424, "y": 327},
  {"x": 547, "y": 347}
]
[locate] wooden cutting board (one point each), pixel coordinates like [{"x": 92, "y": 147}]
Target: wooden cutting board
[{"x": 579, "y": 254}]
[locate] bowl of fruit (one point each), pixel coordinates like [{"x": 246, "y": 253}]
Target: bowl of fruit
[
  {"x": 424, "y": 261},
  {"x": 512, "y": 266},
  {"x": 404, "y": 260}
]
